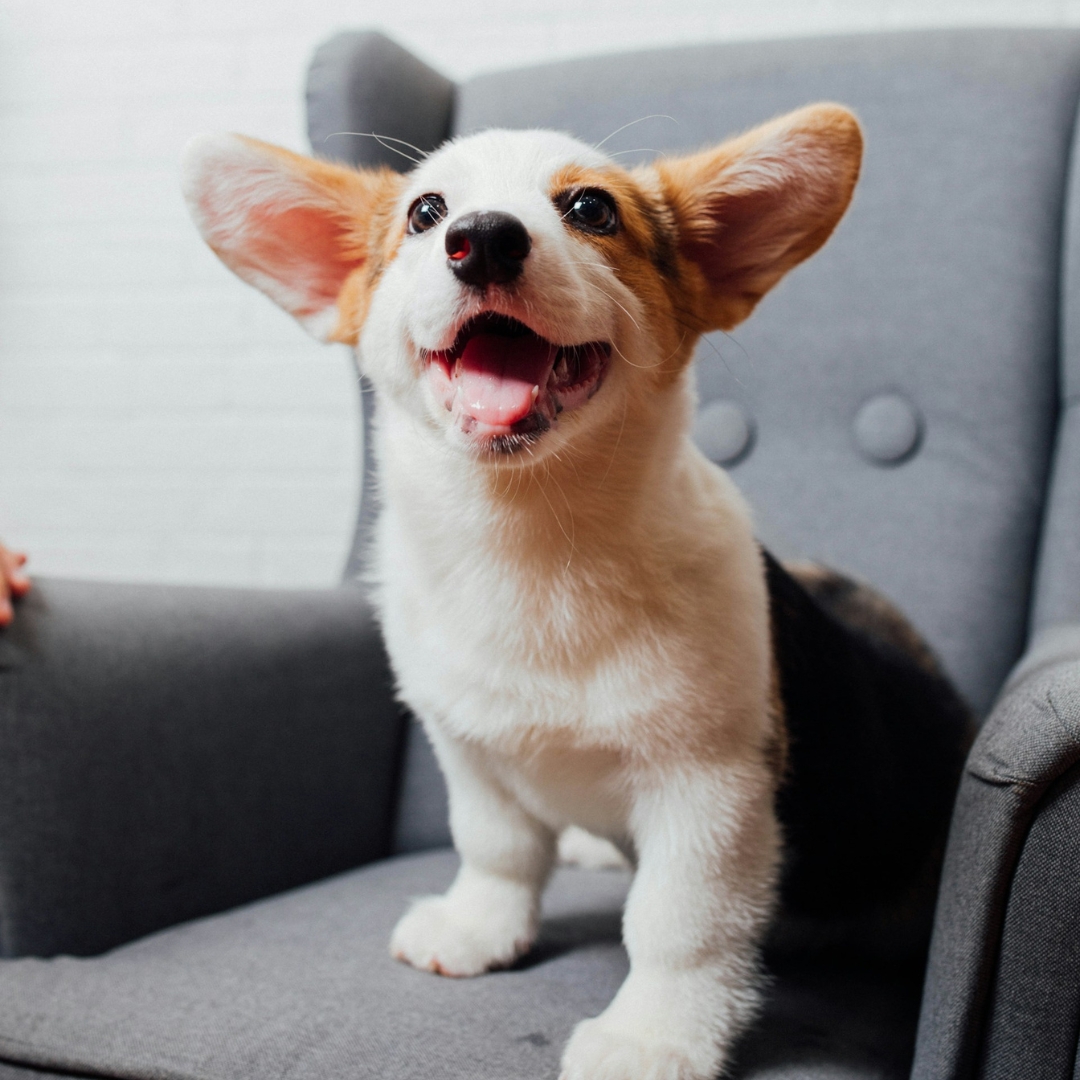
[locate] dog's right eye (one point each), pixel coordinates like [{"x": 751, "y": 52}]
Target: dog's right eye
[{"x": 426, "y": 213}]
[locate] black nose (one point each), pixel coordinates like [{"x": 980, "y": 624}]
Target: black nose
[{"x": 487, "y": 248}]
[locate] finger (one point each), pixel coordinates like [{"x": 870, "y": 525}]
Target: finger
[
  {"x": 15, "y": 583},
  {"x": 11, "y": 561}
]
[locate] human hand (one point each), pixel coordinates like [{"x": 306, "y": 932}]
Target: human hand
[{"x": 13, "y": 582}]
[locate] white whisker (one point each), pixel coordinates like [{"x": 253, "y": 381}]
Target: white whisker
[
  {"x": 558, "y": 521},
  {"x": 639, "y": 120},
  {"x": 604, "y": 292},
  {"x": 615, "y": 448},
  {"x": 384, "y": 140}
]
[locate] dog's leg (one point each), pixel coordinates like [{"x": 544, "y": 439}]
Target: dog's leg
[
  {"x": 708, "y": 847},
  {"x": 580, "y": 848},
  {"x": 489, "y": 916}
]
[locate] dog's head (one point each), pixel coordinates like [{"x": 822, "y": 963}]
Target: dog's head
[{"x": 518, "y": 288}]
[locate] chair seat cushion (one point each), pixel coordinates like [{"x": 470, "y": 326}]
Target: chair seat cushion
[{"x": 302, "y": 986}]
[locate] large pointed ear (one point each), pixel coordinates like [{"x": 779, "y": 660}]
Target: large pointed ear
[
  {"x": 754, "y": 207},
  {"x": 300, "y": 230}
]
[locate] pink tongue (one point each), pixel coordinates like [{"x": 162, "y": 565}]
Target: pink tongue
[{"x": 496, "y": 376}]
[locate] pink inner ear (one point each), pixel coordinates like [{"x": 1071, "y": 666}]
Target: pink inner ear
[
  {"x": 301, "y": 248},
  {"x": 749, "y": 230}
]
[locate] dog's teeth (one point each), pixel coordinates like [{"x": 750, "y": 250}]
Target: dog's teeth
[{"x": 535, "y": 392}]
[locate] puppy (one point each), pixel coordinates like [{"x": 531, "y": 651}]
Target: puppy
[{"x": 571, "y": 594}]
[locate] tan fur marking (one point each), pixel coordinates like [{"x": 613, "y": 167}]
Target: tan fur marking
[
  {"x": 641, "y": 254},
  {"x": 756, "y": 206},
  {"x": 380, "y": 236}
]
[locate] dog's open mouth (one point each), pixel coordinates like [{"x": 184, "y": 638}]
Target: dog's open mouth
[{"x": 501, "y": 379}]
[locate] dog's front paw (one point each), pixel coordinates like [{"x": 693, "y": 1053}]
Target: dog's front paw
[
  {"x": 599, "y": 1050},
  {"x": 450, "y": 937}
]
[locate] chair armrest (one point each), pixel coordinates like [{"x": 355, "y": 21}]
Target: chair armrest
[
  {"x": 1001, "y": 987},
  {"x": 169, "y": 752},
  {"x": 361, "y": 84}
]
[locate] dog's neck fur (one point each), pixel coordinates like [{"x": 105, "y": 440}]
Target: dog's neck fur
[
  {"x": 550, "y": 567},
  {"x": 556, "y": 515}
]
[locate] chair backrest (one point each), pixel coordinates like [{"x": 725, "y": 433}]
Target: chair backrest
[
  {"x": 1057, "y": 597},
  {"x": 892, "y": 408}
]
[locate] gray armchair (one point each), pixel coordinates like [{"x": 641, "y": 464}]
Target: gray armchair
[{"x": 905, "y": 406}]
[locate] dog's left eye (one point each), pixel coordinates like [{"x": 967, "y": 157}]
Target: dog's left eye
[
  {"x": 591, "y": 210},
  {"x": 426, "y": 213}
]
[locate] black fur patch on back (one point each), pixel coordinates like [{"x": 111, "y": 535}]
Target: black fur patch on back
[{"x": 877, "y": 738}]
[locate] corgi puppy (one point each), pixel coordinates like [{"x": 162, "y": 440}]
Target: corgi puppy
[{"x": 571, "y": 594}]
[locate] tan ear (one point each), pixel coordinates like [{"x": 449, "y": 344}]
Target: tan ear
[
  {"x": 754, "y": 207},
  {"x": 298, "y": 229}
]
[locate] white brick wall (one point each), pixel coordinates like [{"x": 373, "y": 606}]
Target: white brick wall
[{"x": 159, "y": 420}]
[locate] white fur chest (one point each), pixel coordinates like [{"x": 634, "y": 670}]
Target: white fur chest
[
  {"x": 495, "y": 663},
  {"x": 669, "y": 636}
]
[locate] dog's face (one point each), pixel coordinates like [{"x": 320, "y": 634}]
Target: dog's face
[
  {"x": 500, "y": 315},
  {"x": 518, "y": 288}
]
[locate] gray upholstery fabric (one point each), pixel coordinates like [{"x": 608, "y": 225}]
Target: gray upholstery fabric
[
  {"x": 423, "y": 814},
  {"x": 1030, "y": 741},
  {"x": 1058, "y": 596},
  {"x": 169, "y": 752},
  {"x": 940, "y": 285},
  {"x": 1070, "y": 296},
  {"x": 1035, "y": 999},
  {"x": 303, "y": 986},
  {"x": 15, "y": 1072},
  {"x": 1051, "y": 646},
  {"x": 364, "y": 82}
]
